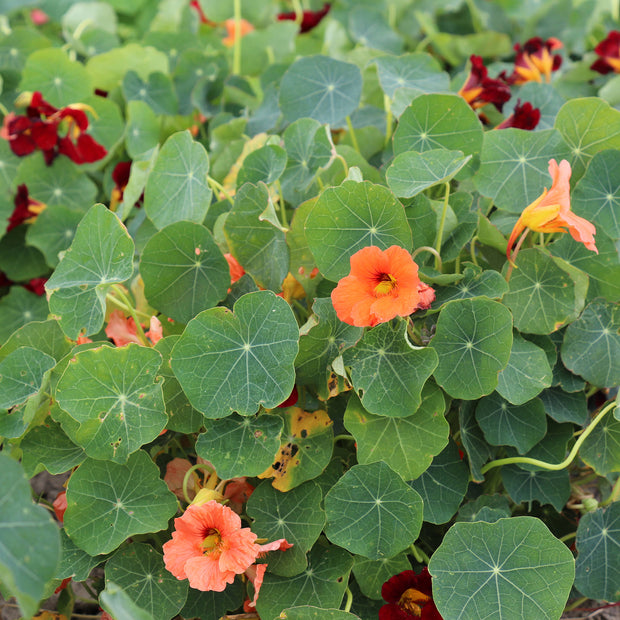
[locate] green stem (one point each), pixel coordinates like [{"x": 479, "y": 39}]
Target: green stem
[
  {"x": 344, "y": 437},
  {"x": 576, "y": 604},
  {"x": 125, "y": 307},
  {"x": 356, "y": 146},
  {"x": 442, "y": 224},
  {"x": 389, "y": 119},
  {"x": 568, "y": 537},
  {"x": 472, "y": 250},
  {"x": 217, "y": 187},
  {"x": 281, "y": 204},
  {"x": 419, "y": 555},
  {"x": 349, "y": 603},
  {"x": 132, "y": 311},
  {"x": 614, "y": 496},
  {"x": 237, "y": 42},
  {"x": 433, "y": 251},
  {"x": 189, "y": 472},
  {"x": 299, "y": 11},
  {"x": 552, "y": 466}
]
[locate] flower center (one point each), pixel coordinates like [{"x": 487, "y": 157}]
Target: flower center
[
  {"x": 211, "y": 541},
  {"x": 409, "y": 601},
  {"x": 387, "y": 283}
]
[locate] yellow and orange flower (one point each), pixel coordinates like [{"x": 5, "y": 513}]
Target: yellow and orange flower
[
  {"x": 535, "y": 61},
  {"x": 550, "y": 212},
  {"x": 479, "y": 89},
  {"x": 381, "y": 285},
  {"x": 233, "y": 30},
  {"x": 608, "y": 51}
]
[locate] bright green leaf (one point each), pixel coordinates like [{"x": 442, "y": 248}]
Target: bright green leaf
[{"x": 21, "y": 375}]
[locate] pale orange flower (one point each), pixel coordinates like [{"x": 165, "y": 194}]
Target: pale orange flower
[
  {"x": 175, "y": 474},
  {"x": 209, "y": 547},
  {"x": 245, "y": 27},
  {"x": 236, "y": 270},
  {"x": 122, "y": 330},
  {"x": 381, "y": 286},
  {"x": 550, "y": 212}
]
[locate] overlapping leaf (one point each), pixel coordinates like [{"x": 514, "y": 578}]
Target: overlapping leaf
[{"x": 21, "y": 375}]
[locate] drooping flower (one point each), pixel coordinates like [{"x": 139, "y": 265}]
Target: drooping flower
[
  {"x": 60, "y": 505},
  {"x": 236, "y": 270},
  {"x": 409, "y": 596},
  {"x": 122, "y": 330},
  {"x": 245, "y": 27},
  {"x": 479, "y": 89},
  {"x": 550, "y": 212},
  {"x": 120, "y": 176},
  {"x": 310, "y": 19},
  {"x": 209, "y": 547},
  {"x": 53, "y": 131},
  {"x": 609, "y": 51},
  {"x": 381, "y": 285},
  {"x": 26, "y": 208},
  {"x": 535, "y": 61},
  {"x": 175, "y": 474},
  {"x": 524, "y": 116}
]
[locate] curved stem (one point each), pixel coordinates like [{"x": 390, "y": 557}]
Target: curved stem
[
  {"x": 132, "y": 311},
  {"x": 356, "y": 146},
  {"x": 419, "y": 555},
  {"x": 433, "y": 251},
  {"x": 344, "y": 437},
  {"x": 442, "y": 224},
  {"x": 513, "y": 255},
  {"x": 552, "y": 466},
  {"x": 349, "y": 603},
  {"x": 568, "y": 537},
  {"x": 189, "y": 472},
  {"x": 472, "y": 250},
  {"x": 614, "y": 496},
  {"x": 217, "y": 187}
]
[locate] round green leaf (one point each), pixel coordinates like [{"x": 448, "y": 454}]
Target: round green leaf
[
  {"x": 21, "y": 375},
  {"x": 472, "y": 437},
  {"x": 61, "y": 81},
  {"x": 587, "y": 125},
  {"x": 62, "y": 183},
  {"x": 544, "y": 487},
  {"x": 438, "y": 121},
  {"x": 176, "y": 188},
  {"x": 565, "y": 407},
  {"x": 372, "y": 512},
  {"x": 111, "y": 392},
  {"x": 295, "y": 516},
  {"x": 142, "y": 133},
  {"x": 591, "y": 346},
  {"x": 597, "y": 570},
  {"x": 321, "y": 88},
  {"x": 265, "y": 164},
  {"x": 240, "y": 446},
  {"x": 521, "y": 426},
  {"x": 75, "y": 562},
  {"x": 157, "y": 91},
  {"x": 47, "y": 446},
  {"x": 475, "y": 283},
  {"x": 19, "y": 307},
  {"x": 408, "y": 444},
  {"x": 514, "y": 165},
  {"x": 101, "y": 254},
  {"x": 542, "y": 295},
  {"x": 120, "y": 606},
  {"x": 140, "y": 571},
  {"x": 254, "y": 240},
  {"x": 443, "y": 485},
  {"x": 601, "y": 449},
  {"x": 182, "y": 417},
  {"x": 418, "y": 70},
  {"x": 322, "y": 584},
  {"x": 29, "y": 540},
  {"x": 349, "y": 217},
  {"x": 513, "y": 568},
  {"x": 494, "y": 506},
  {"x": 473, "y": 339},
  {"x": 108, "y": 502},
  {"x": 217, "y": 603},
  {"x": 183, "y": 270},
  {"x": 527, "y": 374},
  {"x": 369, "y": 26},
  {"x": 236, "y": 361},
  {"x": 411, "y": 173},
  {"x": 597, "y": 195},
  {"x": 31, "y": 263},
  {"x": 53, "y": 231},
  {"x": 388, "y": 372},
  {"x": 372, "y": 574},
  {"x": 46, "y": 336},
  {"x": 17, "y": 45}
]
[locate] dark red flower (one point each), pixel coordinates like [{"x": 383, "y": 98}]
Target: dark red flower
[
  {"x": 36, "y": 286},
  {"x": 63, "y": 584},
  {"x": 523, "y": 117},
  {"x": 26, "y": 208},
  {"x": 409, "y": 596},
  {"x": 201, "y": 15},
  {"x": 479, "y": 89},
  {"x": 53, "y": 131},
  {"x": 609, "y": 51},
  {"x": 534, "y": 61},
  {"x": 120, "y": 176},
  {"x": 310, "y": 19},
  {"x": 291, "y": 400}
]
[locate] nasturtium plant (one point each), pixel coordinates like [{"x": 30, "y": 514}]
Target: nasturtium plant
[{"x": 309, "y": 309}]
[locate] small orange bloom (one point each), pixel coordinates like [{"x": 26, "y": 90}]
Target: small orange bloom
[
  {"x": 123, "y": 330},
  {"x": 551, "y": 213},
  {"x": 236, "y": 270},
  {"x": 381, "y": 286},
  {"x": 245, "y": 27},
  {"x": 209, "y": 547}
]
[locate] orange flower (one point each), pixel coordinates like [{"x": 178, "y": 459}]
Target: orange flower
[
  {"x": 123, "y": 330},
  {"x": 245, "y": 27},
  {"x": 209, "y": 547},
  {"x": 381, "y": 286},
  {"x": 551, "y": 213},
  {"x": 236, "y": 270}
]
